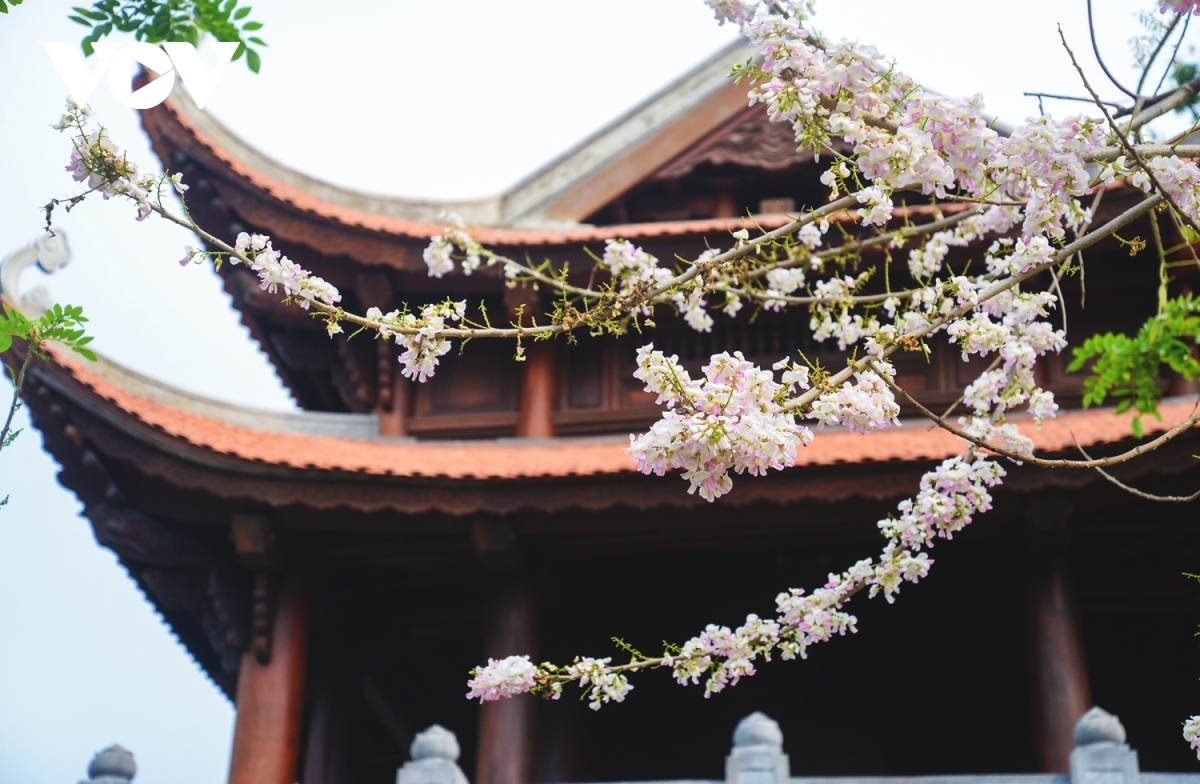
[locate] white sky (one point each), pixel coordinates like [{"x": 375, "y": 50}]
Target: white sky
[{"x": 409, "y": 98}]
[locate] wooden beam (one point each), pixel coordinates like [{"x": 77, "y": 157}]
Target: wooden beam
[
  {"x": 1060, "y": 664},
  {"x": 506, "y": 726},
  {"x": 539, "y": 392},
  {"x": 270, "y": 699}
]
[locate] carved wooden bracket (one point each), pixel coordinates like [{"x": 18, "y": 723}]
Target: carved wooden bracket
[{"x": 256, "y": 546}]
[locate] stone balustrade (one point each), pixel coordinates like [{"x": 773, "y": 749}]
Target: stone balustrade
[{"x": 1101, "y": 756}]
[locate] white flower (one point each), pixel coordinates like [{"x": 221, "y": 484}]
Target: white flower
[{"x": 502, "y": 678}]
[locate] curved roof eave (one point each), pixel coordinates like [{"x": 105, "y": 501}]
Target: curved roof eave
[
  {"x": 484, "y": 211},
  {"x": 350, "y": 442},
  {"x": 524, "y": 205}
]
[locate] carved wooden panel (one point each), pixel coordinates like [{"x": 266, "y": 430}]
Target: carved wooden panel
[
  {"x": 755, "y": 142},
  {"x": 473, "y": 394}
]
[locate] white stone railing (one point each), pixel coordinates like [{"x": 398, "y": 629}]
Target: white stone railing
[{"x": 1101, "y": 756}]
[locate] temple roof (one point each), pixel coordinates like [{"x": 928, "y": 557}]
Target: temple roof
[
  {"x": 544, "y": 208},
  {"x": 279, "y": 198},
  {"x": 207, "y": 432}
]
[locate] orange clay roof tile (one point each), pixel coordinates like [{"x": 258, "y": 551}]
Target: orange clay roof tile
[{"x": 558, "y": 457}]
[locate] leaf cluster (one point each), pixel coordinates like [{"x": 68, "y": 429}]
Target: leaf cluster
[
  {"x": 61, "y": 324},
  {"x": 4, "y": 10},
  {"x": 155, "y": 21},
  {"x": 1181, "y": 74},
  {"x": 1127, "y": 368}
]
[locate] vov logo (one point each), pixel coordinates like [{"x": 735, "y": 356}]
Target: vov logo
[{"x": 118, "y": 60}]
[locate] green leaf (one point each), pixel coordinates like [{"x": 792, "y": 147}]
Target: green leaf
[
  {"x": 90, "y": 14},
  {"x": 256, "y": 40},
  {"x": 253, "y": 60},
  {"x": 87, "y": 353},
  {"x": 252, "y": 26},
  {"x": 242, "y": 13},
  {"x": 3, "y": 7},
  {"x": 1139, "y": 429},
  {"x": 75, "y": 19},
  {"x": 5, "y": 341}
]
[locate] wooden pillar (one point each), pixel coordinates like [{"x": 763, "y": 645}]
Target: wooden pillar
[
  {"x": 270, "y": 698},
  {"x": 557, "y": 741},
  {"x": 506, "y": 727},
  {"x": 326, "y": 759},
  {"x": 393, "y": 419},
  {"x": 538, "y": 394},
  {"x": 1060, "y": 663}
]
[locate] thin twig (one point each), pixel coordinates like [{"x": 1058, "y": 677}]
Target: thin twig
[
  {"x": 1174, "y": 499},
  {"x": 997, "y": 288},
  {"x": 1038, "y": 461},
  {"x": 1067, "y": 98},
  {"x": 18, "y": 383},
  {"x": 1099, "y": 59},
  {"x": 1154, "y": 56}
]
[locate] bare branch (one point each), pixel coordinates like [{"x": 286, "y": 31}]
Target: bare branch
[
  {"x": 1040, "y": 461},
  {"x": 1099, "y": 59},
  {"x": 1172, "y": 499},
  {"x": 1111, "y": 153}
]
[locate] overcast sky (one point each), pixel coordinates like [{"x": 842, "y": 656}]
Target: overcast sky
[{"x": 407, "y": 98}]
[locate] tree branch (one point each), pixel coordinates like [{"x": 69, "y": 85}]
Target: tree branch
[
  {"x": 1175, "y": 499},
  {"x": 1039, "y": 461}
]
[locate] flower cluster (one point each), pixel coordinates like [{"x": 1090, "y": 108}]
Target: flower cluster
[
  {"x": 834, "y": 316},
  {"x": 421, "y": 336},
  {"x": 603, "y": 685},
  {"x": 96, "y": 160},
  {"x": 1044, "y": 162},
  {"x": 1180, "y": 6},
  {"x": 729, "y": 420},
  {"x": 1191, "y": 733},
  {"x": 633, "y": 270},
  {"x": 501, "y": 678},
  {"x": 1010, "y": 326},
  {"x": 439, "y": 254},
  {"x": 867, "y": 404},
  {"x": 926, "y": 261},
  {"x": 277, "y": 273},
  {"x": 727, "y": 654},
  {"x": 1179, "y": 178},
  {"x": 949, "y": 498}
]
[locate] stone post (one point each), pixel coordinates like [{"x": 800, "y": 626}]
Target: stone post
[
  {"x": 757, "y": 756},
  {"x": 114, "y": 765},
  {"x": 1101, "y": 755},
  {"x": 434, "y": 759}
]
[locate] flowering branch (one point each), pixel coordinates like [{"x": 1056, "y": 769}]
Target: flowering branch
[{"x": 1023, "y": 192}]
